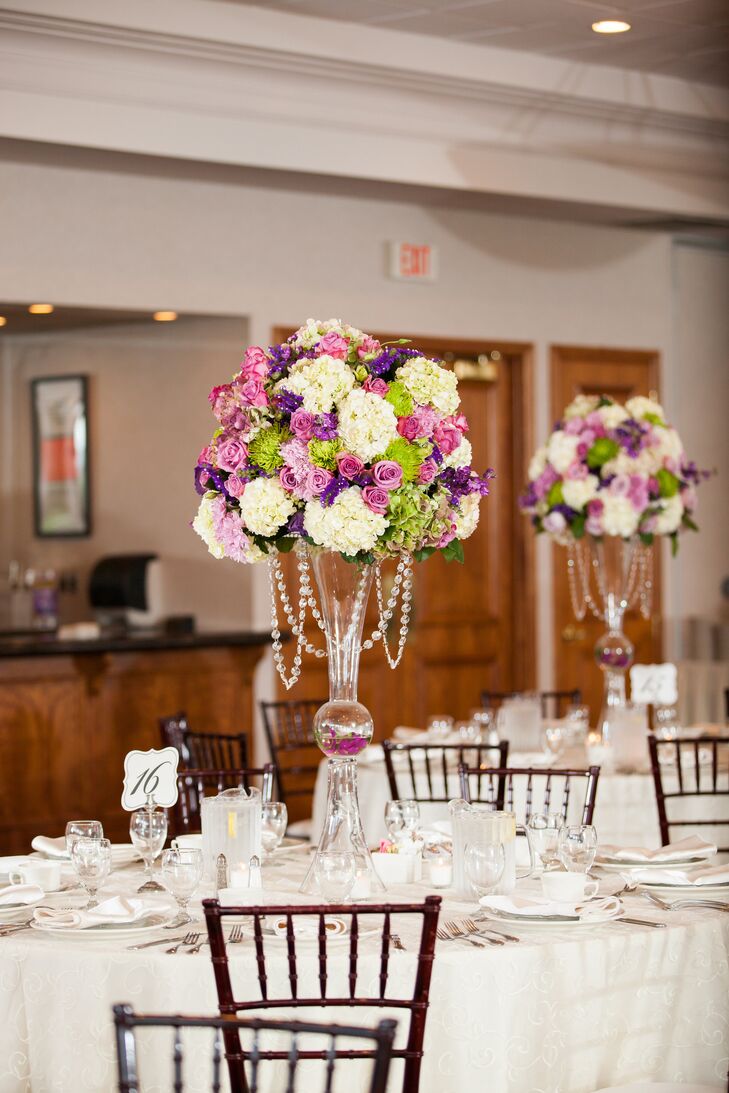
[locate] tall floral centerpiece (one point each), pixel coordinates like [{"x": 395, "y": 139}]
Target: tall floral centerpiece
[
  {"x": 609, "y": 480},
  {"x": 348, "y": 452}
]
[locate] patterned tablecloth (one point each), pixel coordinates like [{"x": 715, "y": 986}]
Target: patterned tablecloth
[{"x": 567, "y": 1010}]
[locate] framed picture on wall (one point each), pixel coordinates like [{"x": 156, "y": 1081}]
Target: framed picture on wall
[{"x": 61, "y": 502}]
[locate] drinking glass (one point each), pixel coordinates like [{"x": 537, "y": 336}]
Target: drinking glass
[
  {"x": 91, "y": 860},
  {"x": 181, "y": 873},
  {"x": 88, "y": 829},
  {"x": 577, "y": 847},
  {"x": 439, "y": 726},
  {"x": 148, "y": 831},
  {"x": 402, "y": 818},
  {"x": 484, "y": 864},
  {"x": 274, "y": 817},
  {"x": 554, "y": 739},
  {"x": 469, "y": 731},
  {"x": 543, "y": 831},
  {"x": 336, "y": 871}
]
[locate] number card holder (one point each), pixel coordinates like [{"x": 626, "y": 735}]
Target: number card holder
[
  {"x": 150, "y": 774},
  {"x": 654, "y": 684}
]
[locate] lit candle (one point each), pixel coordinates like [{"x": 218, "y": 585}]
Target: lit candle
[
  {"x": 239, "y": 876},
  {"x": 441, "y": 872}
]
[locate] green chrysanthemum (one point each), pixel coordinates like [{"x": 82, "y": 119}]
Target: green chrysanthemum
[
  {"x": 323, "y": 453},
  {"x": 409, "y": 456},
  {"x": 400, "y": 399},
  {"x": 265, "y": 448}
]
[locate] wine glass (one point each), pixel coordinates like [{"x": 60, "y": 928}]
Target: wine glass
[
  {"x": 91, "y": 860},
  {"x": 402, "y": 818},
  {"x": 439, "y": 726},
  {"x": 577, "y": 847},
  {"x": 274, "y": 817},
  {"x": 336, "y": 871},
  {"x": 554, "y": 739},
  {"x": 88, "y": 829},
  {"x": 543, "y": 831},
  {"x": 148, "y": 831},
  {"x": 469, "y": 732},
  {"x": 484, "y": 864},
  {"x": 181, "y": 873}
]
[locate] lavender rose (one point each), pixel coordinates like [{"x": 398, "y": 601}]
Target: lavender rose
[
  {"x": 317, "y": 481},
  {"x": 387, "y": 474},
  {"x": 427, "y": 472},
  {"x": 302, "y": 424},
  {"x": 287, "y": 478},
  {"x": 376, "y": 499},
  {"x": 231, "y": 453},
  {"x": 349, "y": 465},
  {"x": 235, "y": 486}
]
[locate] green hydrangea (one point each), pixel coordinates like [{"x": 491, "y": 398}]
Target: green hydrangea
[
  {"x": 265, "y": 448},
  {"x": 400, "y": 399},
  {"x": 409, "y": 456},
  {"x": 410, "y": 514},
  {"x": 323, "y": 453}
]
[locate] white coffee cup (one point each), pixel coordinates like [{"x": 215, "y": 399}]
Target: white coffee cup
[
  {"x": 568, "y": 887},
  {"x": 188, "y": 842},
  {"x": 46, "y": 874}
]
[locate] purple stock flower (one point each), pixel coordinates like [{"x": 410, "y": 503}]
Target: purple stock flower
[
  {"x": 287, "y": 401},
  {"x": 327, "y": 427},
  {"x": 332, "y": 491},
  {"x": 391, "y": 358},
  {"x": 217, "y": 479},
  {"x": 632, "y": 435},
  {"x": 461, "y": 481},
  {"x": 436, "y": 454},
  {"x": 282, "y": 356},
  {"x": 295, "y": 525}
]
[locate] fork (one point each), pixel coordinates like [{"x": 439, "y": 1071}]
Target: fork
[
  {"x": 473, "y": 928},
  {"x": 448, "y": 933},
  {"x": 236, "y": 936},
  {"x": 685, "y": 904},
  {"x": 188, "y": 939},
  {"x": 395, "y": 938},
  {"x": 464, "y": 929},
  {"x": 196, "y": 948}
]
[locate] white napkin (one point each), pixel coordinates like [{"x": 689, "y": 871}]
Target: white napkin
[
  {"x": 690, "y": 847},
  {"x": 308, "y": 927},
  {"x": 52, "y": 848},
  {"x": 406, "y": 735},
  {"x": 373, "y": 754},
  {"x": 689, "y": 878},
  {"x": 541, "y": 908},
  {"x": 20, "y": 893},
  {"x": 118, "y": 910}
]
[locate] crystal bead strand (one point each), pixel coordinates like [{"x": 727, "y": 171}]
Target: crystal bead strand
[
  {"x": 645, "y": 588},
  {"x": 579, "y": 604},
  {"x": 406, "y": 575},
  {"x": 305, "y": 597},
  {"x": 275, "y": 576},
  {"x": 384, "y": 616}
]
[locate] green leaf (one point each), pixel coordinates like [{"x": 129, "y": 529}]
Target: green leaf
[
  {"x": 654, "y": 419},
  {"x": 285, "y": 544},
  {"x": 668, "y": 484},
  {"x": 577, "y": 527},
  {"x": 601, "y": 452},
  {"x": 689, "y": 523},
  {"x": 555, "y": 495},
  {"x": 674, "y": 544},
  {"x": 421, "y": 555},
  {"x": 604, "y": 401},
  {"x": 453, "y": 552},
  {"x": 646, "y": 538}
]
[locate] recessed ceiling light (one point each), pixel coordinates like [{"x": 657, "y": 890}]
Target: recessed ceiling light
[
  {"x": 610, "y": 26},
  {"x": 164, "y": 316},
  {"x": 3, "y": 320},
  {"x": 40, "y": 309}
]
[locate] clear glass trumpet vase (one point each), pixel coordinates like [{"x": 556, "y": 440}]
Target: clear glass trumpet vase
[{"x": 343, "y": 727}]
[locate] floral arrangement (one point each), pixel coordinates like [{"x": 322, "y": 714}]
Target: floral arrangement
[
  {"x": 609, "y": 469},
  {"x": 340, "y": 441}
]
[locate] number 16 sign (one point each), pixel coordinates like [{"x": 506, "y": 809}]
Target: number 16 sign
[{"x": 150, "y": 774}]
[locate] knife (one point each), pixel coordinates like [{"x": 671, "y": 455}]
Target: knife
[{"x": 641, "y": 922}]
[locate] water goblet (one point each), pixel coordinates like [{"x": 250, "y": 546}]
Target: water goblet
[
  {"x": 148, "y": 831},
  {"x": 484, "y": 864},
  {"x": 543, "y": 831},
  {"x": 88, "y": 829},
  {"x": 181, "y": 872},
  {"x": 336, "y": 872},
  {"x": 577, "y": 847},
  {"x": 439, "y": 726},
  {"x": 469, "y": 732},
  {"x": 402, "y": 818},
  {"x": 91, "y": 860},
  {"x": 554, "y": 739},
  {"x": 274, "y": 817}
]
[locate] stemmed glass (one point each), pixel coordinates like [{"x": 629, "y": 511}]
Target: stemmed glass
[
  {"x": 543, "y": 831},
  {"x": 181, "y": 872},
  {"x": 484, "y": 863},
  {"x": 336, "y": 873},
  {"x": 91, "y": 859},
  {"x": 577, "y": 847},
  {"x": 274, "y": 818},
  {"x": 88, "y": 829},
  {"x": 402, "y": 818},
  {"x": 439, "y": 726},
  {"x": 148, "y": 831}
]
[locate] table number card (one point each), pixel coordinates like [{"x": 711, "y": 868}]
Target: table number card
[
  {"x": 150, "y": 773},
  {"x": 655, "y": 684}
]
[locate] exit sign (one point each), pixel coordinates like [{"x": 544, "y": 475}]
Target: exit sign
[{"x": 413, "y": 262}]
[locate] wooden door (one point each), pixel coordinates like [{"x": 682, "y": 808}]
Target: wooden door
[
  {"x": 472, "y": 625},
  {"x": 620, "y": 374}
]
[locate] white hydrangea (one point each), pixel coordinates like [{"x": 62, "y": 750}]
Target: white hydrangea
[
  {"x": 581, "y": 406},
  {"x": 640, "y": 406},
  {"x": 645, "y": 462},
  {"x": 619, "y": 517},
  {"x": 314, "y": 329},
  {"x": 562, "y": 450},
  {"x": 347, "y": 525},
  {"x": 460, "y": 456},
  {"x": 669, "y": 519},
  {"x": 613, "y": 415},
  {"x": 467, "y": 516},
  {"x": 265, "y": 506},
  {"x": 430, "y": 384},
  {"x": 367, "y": 424},
  {"x": 578, "y": 491},
  {"x": 667, "y": 445},
  {"x": 538, "y": 462},
  {"x": 322, "y": 383},
  {"x": 203, "y": 525}
]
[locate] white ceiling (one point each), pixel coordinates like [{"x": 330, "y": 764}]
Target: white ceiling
[{"x": 688, "y": 39}]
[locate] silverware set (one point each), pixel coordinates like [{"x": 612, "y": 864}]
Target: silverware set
[
  {"x": 191, "y": 943},
  {"x": 684, "y": 904},
  {"x": 469, "y": 931}
]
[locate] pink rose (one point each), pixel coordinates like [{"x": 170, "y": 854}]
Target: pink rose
[
  {"x": 252, "y": 392},
  {"x": 317, "y": 481},
  {"x": 595, "y": 507},
  {"x": 460, "y": 422},
  {"x": 231, "y": 453},
  {"x": 369, "y": 345},
  {"x": 376, "y": 386},
  {"x": 620, "y": 485},
  {"x": 447, "y": 437},
  {"x": 426, "y": 419},
  {"x": 593, "y": 525},
  {"x": 218, "y": 393},
  {"x": 447, "y": 536},
  {"x": 206, "y": 455},
  {"x": 287, "y": 478},
  {"x": 408, "y": 427},
  {"x": 554, "y": 522},
  {"x": 333, "y": 345},
  {"x": 576, "y": 471},
  {"x": 574, "y": 426},
  {"x": 387, "y": 474},
  {"x": 427, "y": 472},
  {"x": 595, "y": 422},
  {"x": 235, "y": 486},
  {"x": 255, "y": 363},
  {"x": 349, "y": 465},
  {"x": 376, "y": 499},
  {"x": 302, "y": 424},
  {"x": 638, "y": 492}
]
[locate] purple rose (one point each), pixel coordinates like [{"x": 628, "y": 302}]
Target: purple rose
[
  {"x": 349, "y": 465},
  {"x": 376, "y": 499},
  {"x": 287, "y": 478},
  {"x": 317, "y": 481},
  {"x": 302, "y": 424},
  {"x": 235, "y": 486},
  {"x": 231, "y": 453},
  {"x": 387, "y": 474}
]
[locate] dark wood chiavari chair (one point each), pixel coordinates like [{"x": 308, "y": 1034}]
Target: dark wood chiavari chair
[
  {"x": 496, "y": 788},
  {"x": 426, "y": 771},
  {"x": 416, "y": 1003},
  {"x": 553, "y": 703},
  {"x": 204, "y": 750},
  {"x": 377, "y": 1045},
  {"x": 192, "y": 786},
  {"x": 294, "y": 752},
  {"x": 698, "y": 768}
]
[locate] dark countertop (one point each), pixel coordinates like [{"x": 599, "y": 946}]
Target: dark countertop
[{"x": 44, "y": 645}]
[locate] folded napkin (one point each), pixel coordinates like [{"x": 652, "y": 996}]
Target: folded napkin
[
  {"x": 690, "y": 847},
  {"x": 307, "y": 927},
  {"x": 52, "y": 848},
  {"x": 373, "y": 754},
  {"x": 406, "y": 735},
  {"x": 118, "y": 911},
  {"x": 538, "y": 907},
  {"x": 689, "y": 878},
  {"x": 20, "y": 893}
]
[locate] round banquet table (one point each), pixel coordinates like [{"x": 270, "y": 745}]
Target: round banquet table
[{"x": 566, "y": 1010}]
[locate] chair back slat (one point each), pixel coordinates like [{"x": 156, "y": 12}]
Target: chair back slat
[
  {"x": 217, "y": 1059},
  {"x": 289, "y": 728},
  {"x": 177, "y": 1058},
  {"x": 291, "y": 949},
  {"x": 193, "y": 785},
  {"x": 353, "y": 943},
  {"x": 203, "y": 750},
  {"x": 427, "y": 772},
  {"x": 471, "y": 779},
  {"x": 323, "y": 955},
  {"x": 385, "y": 954},
  {"x": 260, "y": 959},
  {"x": 690, "y": 767}
]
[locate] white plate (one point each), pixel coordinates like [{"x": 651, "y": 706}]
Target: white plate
[
  {"x": 697, "y": 890},
  {"x": 8, "y": 913},
  {"x": 154, "y": 921},
  {"x": 121, "y": 854},
  {"x": 625, "y": 866},
  {"x": 8, "y": 865},
  {"x": 598, "y": 919}
]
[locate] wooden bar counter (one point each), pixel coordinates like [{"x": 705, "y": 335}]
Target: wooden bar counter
[{"x": 70, "y": 711}]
